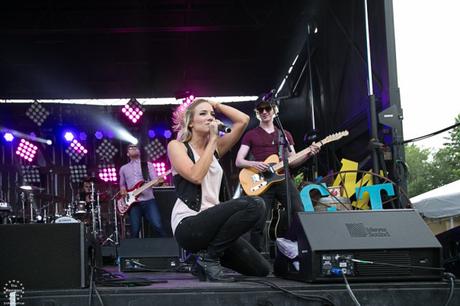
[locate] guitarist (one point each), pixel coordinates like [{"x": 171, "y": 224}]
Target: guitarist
[
  {"x": 262, "y": 142},
  {"x": 146, "y": 207}
]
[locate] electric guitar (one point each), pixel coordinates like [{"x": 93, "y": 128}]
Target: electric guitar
[
  {"x": 255, "y": 183},
  {"x": 124, "y": 202}
]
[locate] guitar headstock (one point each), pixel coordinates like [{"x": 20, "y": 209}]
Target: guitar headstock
[{"x": 335, "y": 136}]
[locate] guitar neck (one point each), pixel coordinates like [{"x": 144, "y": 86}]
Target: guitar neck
[
  {"x": 298, "y": 156},
  {"x": 147, "y": 185}
]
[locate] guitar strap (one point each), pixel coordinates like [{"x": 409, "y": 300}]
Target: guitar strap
[{"x": 145, "y": 171}]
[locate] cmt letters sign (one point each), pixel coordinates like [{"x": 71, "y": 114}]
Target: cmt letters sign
[{"x": 364, "y": 189}]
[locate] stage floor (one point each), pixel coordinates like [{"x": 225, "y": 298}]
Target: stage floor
[{"x": 169, "y": 288}]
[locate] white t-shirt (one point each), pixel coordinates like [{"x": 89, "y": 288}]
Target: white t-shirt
[{"x": 210, "y": 188}]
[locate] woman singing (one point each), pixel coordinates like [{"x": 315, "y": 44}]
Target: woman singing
[{"x": 199, "y": 221}]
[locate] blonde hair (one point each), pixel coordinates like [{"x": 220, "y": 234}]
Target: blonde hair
[{"x": 182, "y": 117}]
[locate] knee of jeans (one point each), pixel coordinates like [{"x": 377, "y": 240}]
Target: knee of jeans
[{"x": 257, "y": 204}]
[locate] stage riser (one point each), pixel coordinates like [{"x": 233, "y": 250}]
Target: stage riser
[{"x": 375, "y": 294}]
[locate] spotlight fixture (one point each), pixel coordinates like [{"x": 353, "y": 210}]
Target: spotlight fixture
[
  {"x": 37, "y": 113},
  {"x": 107, "y": 172},
  {"x": 133, "y": 110},
  {"x": 8, "y": 137},
  {"x": 106, "y": 150},
  {"x": 26, "y": 150},
  {"x": 68, "y": 136},
  {"x": 76, "y": 150},
  {"x": 78, "y": 173}
]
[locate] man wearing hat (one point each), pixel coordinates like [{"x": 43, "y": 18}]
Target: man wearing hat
[
  {"x": 146, "y": 206},
  {"x": 261, "y": 142}
]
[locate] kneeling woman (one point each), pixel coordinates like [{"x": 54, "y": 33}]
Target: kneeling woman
[{"x": 199, "y": 222}]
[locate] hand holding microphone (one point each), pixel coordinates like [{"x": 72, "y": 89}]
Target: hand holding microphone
[{"x": 223, "y": 128}]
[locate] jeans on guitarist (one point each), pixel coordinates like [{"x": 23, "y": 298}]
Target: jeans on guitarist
[
  {"x": 263, "y": 143},
  {"x": 278, "y": 228},
  {"x": 149, "y": 210},
  {"x": 131, "y": 174}
]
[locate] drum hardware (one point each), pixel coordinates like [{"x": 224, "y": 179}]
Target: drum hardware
[{"x": 114, "y": 234}]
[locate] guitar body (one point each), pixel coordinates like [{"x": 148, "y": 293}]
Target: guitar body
[
  {"x": 278, "y": 222},
  {"x": 124, "y": 202},
  {"x": 255, "y": 183}
]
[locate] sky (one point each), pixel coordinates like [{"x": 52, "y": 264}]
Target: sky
[{"x": 427, "y": 37}]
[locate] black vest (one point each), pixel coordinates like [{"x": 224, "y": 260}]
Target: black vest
[{"x": 190, "y": 193}]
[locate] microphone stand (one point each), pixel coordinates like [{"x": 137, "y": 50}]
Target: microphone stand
[{"x": 283, "y": 145}]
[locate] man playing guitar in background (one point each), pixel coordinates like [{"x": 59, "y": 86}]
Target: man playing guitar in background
[
  {"x": 262, "y": 142},
  {"x": 130, "y": 175}
]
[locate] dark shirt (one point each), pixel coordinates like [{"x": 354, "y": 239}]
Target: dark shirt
[{"x": 262, "y": 144}]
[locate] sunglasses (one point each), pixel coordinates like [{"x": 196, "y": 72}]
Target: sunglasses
[{"x": 264, "y": 108}]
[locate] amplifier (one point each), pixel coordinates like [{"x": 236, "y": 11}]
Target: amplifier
[
  {"x": 44, "y": 256},
  {"x": 398, "y": 242},
  {"x": 147, "y": 254}
]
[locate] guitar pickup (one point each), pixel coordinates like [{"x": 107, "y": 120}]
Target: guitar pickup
[
  {"x": 255, "y": 188},
  {"x": 256, "y": 177}
]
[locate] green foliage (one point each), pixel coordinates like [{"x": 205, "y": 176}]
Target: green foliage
[{"x": 426, "y": 174}]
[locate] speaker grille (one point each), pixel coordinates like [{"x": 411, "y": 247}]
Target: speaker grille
[{"x": 388, "y": 257}]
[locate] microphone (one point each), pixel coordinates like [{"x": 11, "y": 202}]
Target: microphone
[
  {"x": 269, "y": 95},
  {"x": 223, "y": 128}
]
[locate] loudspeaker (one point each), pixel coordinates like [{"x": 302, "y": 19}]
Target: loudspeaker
[
  {"x": 332, "y": 243},
  {"x": 44, "y": 256},
  {"x": 166, "y": 198},
  {"x": 148, "y": 254},
  {"x": 450, "y": 241}
]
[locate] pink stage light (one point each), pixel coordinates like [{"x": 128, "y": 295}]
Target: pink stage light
[
  {"x": 26, "y": 150},
  {"x": 108, "y": 173},
  {"x": 160, "y": 168},
  {"x": 76, "y": 150},
  {"x": 133, "y": 110}
]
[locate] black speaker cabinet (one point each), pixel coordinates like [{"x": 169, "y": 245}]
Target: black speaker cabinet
[
  {"x": 398, "y": 242},
  {"x": 44, "y": 256},
  {"x": 166, "y": 198},
  {"x": 148, "y": 254}
]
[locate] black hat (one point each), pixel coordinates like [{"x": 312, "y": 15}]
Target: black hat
[
  {"x": 259, "y": 101},
  {"x": 265, "y": 98}
]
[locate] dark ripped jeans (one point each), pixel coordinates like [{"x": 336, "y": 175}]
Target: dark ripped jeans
[{"x": 218, "y": 230}]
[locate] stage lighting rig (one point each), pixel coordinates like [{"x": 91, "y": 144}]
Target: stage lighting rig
[
  {"x": 133, "y": 110},
  {"x": 106, "y": 150},
  {"x": 155, "y": 149},
  {"x": 78, "y": 173},
  {"x": 37, "y": 113}
]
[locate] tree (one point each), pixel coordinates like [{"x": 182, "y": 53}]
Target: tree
[
  {"x": 426, "y": 173},
  {"x": 446, "y": 161},
  {"x": 420, "y": 170}
]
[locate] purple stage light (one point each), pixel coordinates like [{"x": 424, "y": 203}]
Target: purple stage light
[
  {"x": 68, "y": 136},
  {"x": 8, "y": 137},
  {"x": 152, "y": 134},
  {"x": 99, "y": 135},
  {"x": 167, "y": 134},
  {"x": 83, "y": 136}
]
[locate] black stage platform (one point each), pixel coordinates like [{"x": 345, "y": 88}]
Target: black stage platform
[{"x": 184, "y": 289}]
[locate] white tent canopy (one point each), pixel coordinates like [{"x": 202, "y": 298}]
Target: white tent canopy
[{"x": 442, "y": 202}]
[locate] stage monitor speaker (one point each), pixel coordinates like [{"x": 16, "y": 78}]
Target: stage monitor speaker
[
  {"x": 44, "y": 256},
  {"x": 331, "y": 243},
  {"x": 148, "y": 254},
  {"x": 166, "y": 198}
]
